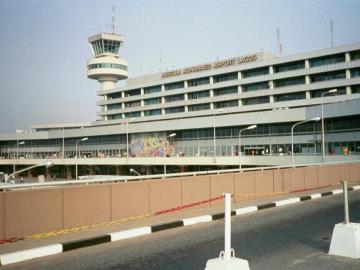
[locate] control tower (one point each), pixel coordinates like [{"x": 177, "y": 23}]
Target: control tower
[{"x": 106, "y": 66}]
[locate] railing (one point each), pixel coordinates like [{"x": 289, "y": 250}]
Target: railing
[{"x": 111, "y": 178}]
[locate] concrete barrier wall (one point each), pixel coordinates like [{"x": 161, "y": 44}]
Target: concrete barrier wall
[
  {"x": 84, "y": 205},
  {"x": 2, "y": 220},
  {"x": 354, "y": 173},
  {"x": 165, "y": 194},
  {"x": 129, "y": 199},
  {"x": 26, "y": 212},
  {"x": 34, "y": 211},
  {"x": 310, "y": 178}
]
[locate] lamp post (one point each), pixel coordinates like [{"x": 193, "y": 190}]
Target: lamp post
[
  {"x": 241, "y": 130},
  {"x": 76, "y": 155},
  {"x": 322, "y": 120},
  {"x": 214, "y": 122},
  {"x": 292, "y": 134},
  {"x": 17, "y": 152},
  {"x": 47, "y": 164},
  {"x": 169, "y": 136},
  {"x": 17, "y": 148},
  {"x": 133, "y": 171}
]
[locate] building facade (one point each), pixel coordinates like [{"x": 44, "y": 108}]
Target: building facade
[{"x": 201, "y": 114}]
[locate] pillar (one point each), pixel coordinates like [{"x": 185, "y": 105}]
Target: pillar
[
  {"x": 183, "y": 169},
  {"x": 47, "y": 173},
  {"x": 92, "y": 170},
  {"x": 68, "y": 173},
  {"x": 148, "y": 170}
]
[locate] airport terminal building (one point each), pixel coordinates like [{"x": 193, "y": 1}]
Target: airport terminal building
[{"x": 244, "y": 110}]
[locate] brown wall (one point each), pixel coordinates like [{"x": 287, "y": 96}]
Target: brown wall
[
  {"x": 2, "y": 220},
  {"x": 34, "y": 211},
  {"x": 323, "y": 176},
  {"x": 264, "y": 182},
  {"x": 165, "y": 194},
  {"x": 195, "y": 189},
  {"x": 129, "y": 199},
  {"x": 311, "y": 177},
  {"x": 25, "y": 212},
  {"x": 84, "y": 205}
]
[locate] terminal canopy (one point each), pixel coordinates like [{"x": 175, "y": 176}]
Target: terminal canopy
[{"x": 106, "y": 43}]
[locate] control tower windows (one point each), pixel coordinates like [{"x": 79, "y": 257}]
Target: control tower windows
[{"x": 106, "y": 46}]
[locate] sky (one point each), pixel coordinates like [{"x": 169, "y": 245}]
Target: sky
[{"x": 44, "y": 47}]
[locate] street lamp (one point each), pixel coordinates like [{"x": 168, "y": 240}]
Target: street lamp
[
  {"x": 16, "y": 155},
  {"x": 76, "y": 155},
  {"x": 241, "y": 130},
  {"x": 322, "y": 120},
  {"x": 214, "y": 122},
  {"x": 47, "y": 164},
  {"x": 292, "y": 134},
  {"x": 169, "y": 136},
  {"x": 133, "y": 171}
]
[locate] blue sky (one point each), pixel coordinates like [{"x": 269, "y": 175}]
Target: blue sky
[{"x": 44, "y": 48}]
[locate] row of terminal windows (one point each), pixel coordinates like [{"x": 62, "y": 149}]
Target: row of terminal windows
[
  {"x": 107, "y": 65},
  {"x": 314, "y": 78},
  {"x": 355, "y": 89},
  {"x": 315, "y": 62},
  {"x": 331, "y": 125}
]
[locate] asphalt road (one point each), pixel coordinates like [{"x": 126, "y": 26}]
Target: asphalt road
[{"x": 289, "y": 237}]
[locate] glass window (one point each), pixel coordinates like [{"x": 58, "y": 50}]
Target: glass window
[
  {"x": 107, "y": 65},
  {"x": 255, "y": 86},
  {"x": 256, "y": 100},
  {"x": 318, "y": 93},
  {"x": 335, "y": 75},
  {"x": 175, "y": 85},
  {"x": 226, "y": 91},
  {"x": 152, "y": 89},
  {"x": 355, "y": 55},
  {"x": 254, "y": 72},
  {"x": 132, "y": 114},
  {"x": 199, "y": 107},
  {"x": 114, "y": 116},
  {"x": 113, "y": 96},
  {"x": 197, "y": 82},
  {"x": 116, "y": 106},
  {"x": 355, "y": 89},
  {"x": 200, "y": 94},
  {"x": 135, "y": 92},
  {"x": 133, "y": 104},
  {"x": 355, "y": 72},
  {"x": 151, "y": 101},
  {"x": 152, "y": 112},
  {"x": 174, "y": 98},
  {"x": 225, "y": 104},
  {"x": 174, "y": 110},
  {"x": 327, "y": 60},
  {"x": 225, "y": 77},
  {"x": 290, "y": 96},
  {"x": 289, "y": 66},
  {"x": 289, "y": 81}
]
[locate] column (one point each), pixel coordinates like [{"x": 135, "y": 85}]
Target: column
[
  {"x": 68, "y": 173},
  {"x": 308, "y": 96},
  {"x": 148, "y": 170},
  {"x": 347, "y": 57},
  {"x": 92, "y": 170},
  {"x": 307, "y": 64},
  {"x": 307, "y": 79}
]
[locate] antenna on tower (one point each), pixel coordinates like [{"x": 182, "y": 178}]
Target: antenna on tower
[
  {"x": 113, "y": 20},
  {"x": 331, "y": 33},
  {"x": 279, "y": 46}
]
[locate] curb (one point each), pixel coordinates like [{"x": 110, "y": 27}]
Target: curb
[{"x": 24, "y": 255}]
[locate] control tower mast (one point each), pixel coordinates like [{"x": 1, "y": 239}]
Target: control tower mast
[{"x": 106, "y": 65}]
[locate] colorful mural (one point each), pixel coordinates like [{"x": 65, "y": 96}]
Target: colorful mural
[{"x": 156, "y": 145}]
